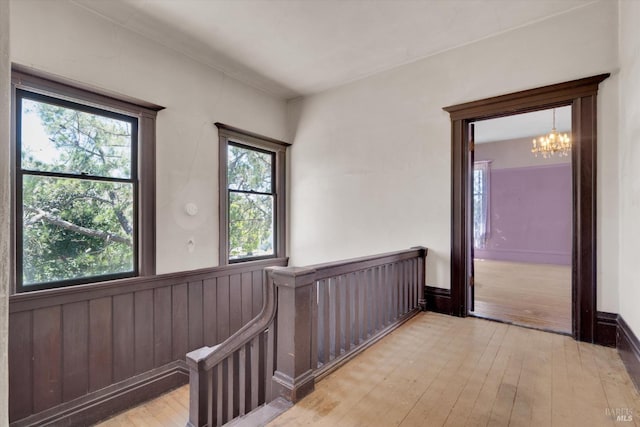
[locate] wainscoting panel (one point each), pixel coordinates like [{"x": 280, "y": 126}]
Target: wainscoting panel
[{"x": 67, "y": 346}]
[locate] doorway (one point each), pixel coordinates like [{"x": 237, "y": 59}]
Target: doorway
[
  {"x": 522, "y": 219},
  {"x": 581, "y": 95}
]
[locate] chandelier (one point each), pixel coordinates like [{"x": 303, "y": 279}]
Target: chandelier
[{"x": 553, "y": 143}]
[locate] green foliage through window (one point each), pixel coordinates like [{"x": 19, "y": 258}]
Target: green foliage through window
[
  {"x": 76, "y": 168},
  {"x": 251, "y": 202}
]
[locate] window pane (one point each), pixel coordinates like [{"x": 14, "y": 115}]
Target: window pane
[
  {"x": 75, "y": 228},
  {"x": 64, "y": 140},
  {"x": 250, "y": 225},
  {"x": 249, "y": 170},
  {"x": 478, "y": 213},
  {"x": 478, "y": 181}
]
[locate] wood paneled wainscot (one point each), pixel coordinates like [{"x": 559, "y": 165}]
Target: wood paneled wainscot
[{"x": 79, "y": 354}]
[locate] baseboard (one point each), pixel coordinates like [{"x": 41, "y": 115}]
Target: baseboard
[
  {"x": 438, "y": 299},
  {"x": 606, "y": 329},
  {"x": 108, "y": 401},
  {"x": 629, "y": 350}
]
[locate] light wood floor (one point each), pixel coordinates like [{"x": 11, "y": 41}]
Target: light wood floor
[
  {"x": 439, "y": 370},
  {"x": 168, "y": 410},
  {"x": 535, "y": 295}
]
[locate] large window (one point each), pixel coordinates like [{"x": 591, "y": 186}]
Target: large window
[
  {"x": 77, "y": 204},
  {"x": 252, "y": 200}
]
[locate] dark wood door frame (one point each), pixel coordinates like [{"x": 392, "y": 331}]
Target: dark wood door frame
[{"x": 581, "y": 95}]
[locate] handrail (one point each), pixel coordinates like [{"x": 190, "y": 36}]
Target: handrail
[
  {"x": 206, "y": 358},
  {"x": 298, "y": 301},
  {"x": 336, "y": 268}
]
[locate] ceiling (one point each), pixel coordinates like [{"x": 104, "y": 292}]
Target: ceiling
[
  {"x": 291, "y": 48},
  {"x": 526, "y": 125}
]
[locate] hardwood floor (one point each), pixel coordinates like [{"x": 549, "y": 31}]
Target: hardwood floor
[
  {"x": 438, "y": 370},
  {"x": 534, "y": 295},
  {"x": 169, "y": 410},
  {"x": 446, "y": 371}
]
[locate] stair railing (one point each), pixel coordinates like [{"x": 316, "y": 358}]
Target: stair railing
[{"x": 314, "y": 319}]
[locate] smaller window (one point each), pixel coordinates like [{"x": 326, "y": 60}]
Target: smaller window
[
  {"x": 252, "y": 199},
  {"x": 480, "y": 203},
  {"x": 251, "y": 202}
]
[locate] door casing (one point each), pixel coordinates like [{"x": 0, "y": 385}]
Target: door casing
[{"x": 581, "y": 95}]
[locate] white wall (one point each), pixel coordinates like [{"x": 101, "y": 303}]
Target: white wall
[
  {"x": 64, "y": 39},
  {"x": 370, "y": 167},
  {"x": 630, "y": 162},
  {"x": 5, "y": 188}
]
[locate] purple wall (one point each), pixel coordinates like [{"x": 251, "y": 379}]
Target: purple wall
[{"x": 530, "y": 212}]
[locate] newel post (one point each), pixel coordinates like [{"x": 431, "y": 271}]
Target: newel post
[
  {"x": 422, "y": 277},
  {"x": 293, "y": 378},
  {"x": 198, "y": 386}
]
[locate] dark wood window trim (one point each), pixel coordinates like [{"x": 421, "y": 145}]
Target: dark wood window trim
[
  {"x": 581, "y": 95},
  {"x": 34, "y": 81},
  {"x": 227, "y": 135}
]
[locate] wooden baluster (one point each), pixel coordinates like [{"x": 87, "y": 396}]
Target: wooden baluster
[
  {"x": 315, "y": 337},
  {"x": 343, "y": 307},
  {"x": 385, "y": 295},
  {"x": 390, "y": 292},
  {"x": 410, "y": 271},
  {"x": 374, "y": 300},
  {"x": 336, "y": 317},
  {"x": 414, "y": 270},
  {"x": 375, "y": 303},
  {"x": 331, "y": 319},
  {"x": 403, "y": 306},
  {"x": 260, "y": 376},
  {"x": 321, "y": 324},
  {"x": 418, "y": 296},
  {"x": 417, "y": 282},
  {"x": 412, "y": 286},
  {"x": 391, "y": 286},
  {"x": 367, "y": 303},
  {"x": 410, "y": 282},
  {"x": 365, "y": 311},
  {"x": 396, "y": 289},
  {"x": 326, "y": 339},
  {"x": 230, "y": 391},
  {"x": 270, "y": 358},
  {"x": 347, "y": 312},
  {"x": 400, "y": 288},
  {"x": 210, "y": 397},
  {"x": 380, "y": 287},
  {"x": 356, "y": 308},
  {"x": 409, "y": 275},
  {"x": 220, "y": 397},
  {"x": 242, "y": 380}
]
